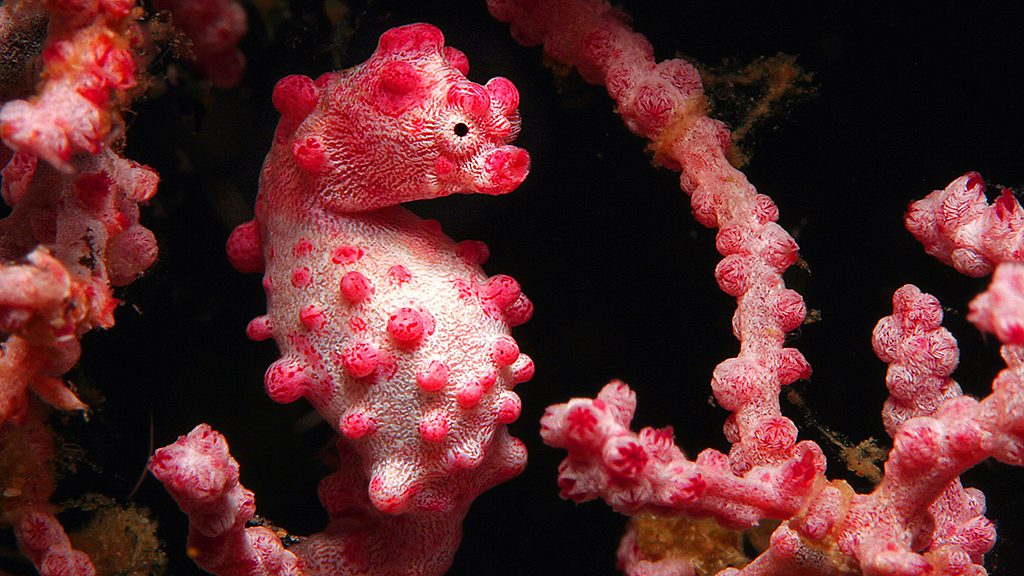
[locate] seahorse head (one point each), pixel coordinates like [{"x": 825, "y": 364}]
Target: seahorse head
[{"x": 404, "y": 125}]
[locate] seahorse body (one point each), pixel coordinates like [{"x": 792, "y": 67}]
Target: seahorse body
[{"x": 385, "y": 325}]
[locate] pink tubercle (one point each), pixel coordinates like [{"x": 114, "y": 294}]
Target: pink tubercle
[
  {"x": 286, "y": 380},
  {"x": 456, "y": 59},
  {"x": 406, "y": 325},
  {"x": 360, "y": 359},
  {"x": 399, "y": 274},
  {"x": 470, "y": 98},
  {"x": 399, "y": 88},
  {"x": 469, "y": 395},
  {"x": 519, "y": 311},
  {"x": 486, "y": 381},
  {"x": 509, "y": 408},
  {"x": 301, "y": 277},
  {"x": 355, "y": 287},
  {"x": 499, "y": 290},
  {"x": 309, "y": 154},
  {"x": 434, "y": 427},
  {"x": 505, "y": 169},
  {"x": 504, "y": 351},
  {"x": 312, "y": 317},
  {"x": 244, "y": 250},
  {"x": 346, "y": 254},
  {"x": 302, "y": 248},
  {"x": 433, "y": 377},
  {"x": 433, "y": 226},
  {"x": 443, "y": 166},
  {"x": 413, "y": 37},
  {"x": 504, "y": 94},
  {"x": 523, "y": 369},
  {"x": 260, "y": 328},
  {"x": 473, "y": 252},
  {"x": 357, "y": 424},
  {"x": 295, "y": 96},
  {"x": 392, "y": 498}
]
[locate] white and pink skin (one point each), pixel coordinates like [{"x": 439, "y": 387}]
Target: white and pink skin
[
  {"x": 389, "y": 328},
  {"x": 919, "y": 520}
]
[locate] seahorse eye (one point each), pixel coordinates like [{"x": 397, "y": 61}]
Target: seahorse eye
[{"x": 461, "y": 129}]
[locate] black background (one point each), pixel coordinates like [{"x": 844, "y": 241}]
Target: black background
[{"x": 621, "y": 275}]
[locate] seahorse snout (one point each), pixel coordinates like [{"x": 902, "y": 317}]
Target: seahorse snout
[{"x": 503, "y": 169}]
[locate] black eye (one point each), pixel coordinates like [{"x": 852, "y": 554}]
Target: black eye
[{"x": 461, "y": 129}]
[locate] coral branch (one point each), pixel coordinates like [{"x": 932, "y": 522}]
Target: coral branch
[
  {"x": 921, "y": 356},
  {"x": 202, "y": 477},
  {"x": 646, "y": 472},
  {"x": 1000, "y": 310},
  {"x": 958, "y": 226},
  {"x": 42, "y": 539},
  {"x": 26, "y": 467},
  {"x": 89, "y": 220},
  {"x": 919, "y": 519},
  {"x": 664, "y": 103},
  {"x": 214, "y": 28},
  {"x": 88, "y": 67}
]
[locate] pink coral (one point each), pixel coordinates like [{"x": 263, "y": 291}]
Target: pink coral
[
  {"x": 1000, "y": 310},
  {"x": 605, "y": 245},
  {"x": 919, "y": 519},
  {"x": 958, "y": 226},
  {"x": 202, "y": 477},
  {"x": 88, "y": 65},
  {"x": 214, "y": 28},
  {"x": 386, "y": 326},
  {"x": 78, "y": 235}
]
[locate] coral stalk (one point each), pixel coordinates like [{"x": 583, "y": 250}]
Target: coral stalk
[
  {"x": 88, "y": 66},
  {"x": 937, "y": 433}
]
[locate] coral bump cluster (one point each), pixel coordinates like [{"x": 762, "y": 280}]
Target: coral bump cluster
[
  {"x": 919, "y": 519},
  {"x": 68, "y": 69},
  {"x": 73, "y": 232},
  {"x": 390, "y": 329}
]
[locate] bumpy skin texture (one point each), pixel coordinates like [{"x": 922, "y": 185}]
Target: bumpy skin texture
[{"x": 386, "y": 326}]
